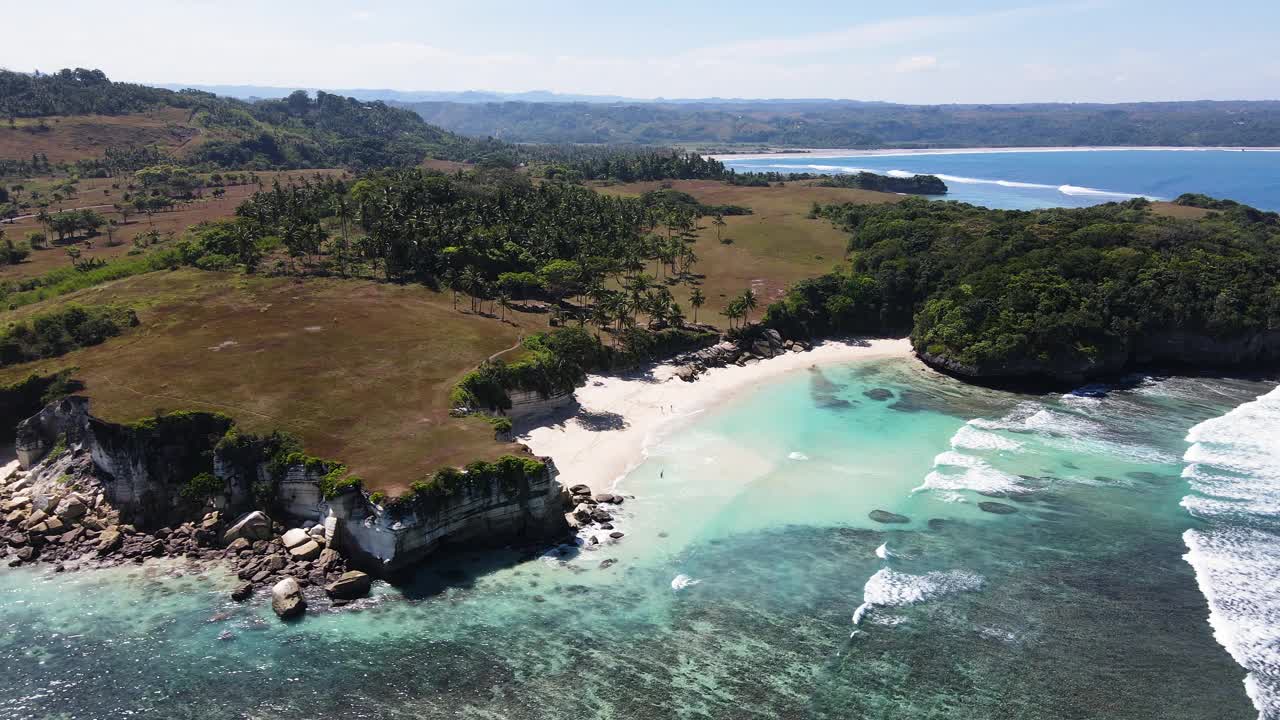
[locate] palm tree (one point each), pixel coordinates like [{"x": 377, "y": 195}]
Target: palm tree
[
  {"x": 719, "y": 222},
  {"x": 734, "y": 311},
  {"x": 504, "y": 301},
  {"x": 470, "y": 282},
  {"x": 697, "y": 300},
  {"x": 748, "y": 300}
]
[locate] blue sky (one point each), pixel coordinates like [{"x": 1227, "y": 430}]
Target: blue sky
[{"x": 919, "y": 51}]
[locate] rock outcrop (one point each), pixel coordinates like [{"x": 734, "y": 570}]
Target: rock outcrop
[
  {"x": 105, "y": 475},
  {"x": 287, "y": 600},
  {"x": 768, "y": 344}
]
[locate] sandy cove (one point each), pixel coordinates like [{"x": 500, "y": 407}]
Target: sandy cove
[{"x": 617, "y": 415}]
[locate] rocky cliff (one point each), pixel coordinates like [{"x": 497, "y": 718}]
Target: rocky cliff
[
  {"x": 1174, "y": 349},
  {"x": 166, "y": 470}
]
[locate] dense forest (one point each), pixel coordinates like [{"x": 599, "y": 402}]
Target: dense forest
[
  {"x": 864, "y": 125},
  {"x": 1061, "y": 293},
  {"x": 298, "y": 131}
]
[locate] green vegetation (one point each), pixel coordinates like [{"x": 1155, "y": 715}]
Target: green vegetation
[
  {"x": 202, "y": 486},
  {"x": 59, "y": 332},
  {"x": 914, "y": 185},
  {"x": 295, "y": 132},
  {"x": 1049, "y": 293},
  {"x": 506, "y": 474},
  {"x": 844, "y": 123}
]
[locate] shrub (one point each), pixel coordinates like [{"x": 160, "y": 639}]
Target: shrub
[{"x": 201, "y": 486}]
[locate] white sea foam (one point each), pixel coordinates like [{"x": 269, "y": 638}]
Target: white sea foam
[
  {"x": 891, "y": 588},
  {"x": 1234, "y": 470},
  {"x": 954, "y": 471},
  {"x": 882, "y": 552},
  {"x": 797, "y": 456},
  {"x": 973, "y": 437},
  {"x": 683, "y": 581}
]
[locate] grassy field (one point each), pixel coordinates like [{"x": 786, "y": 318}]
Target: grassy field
[
  {"x": 361, "y": 371},
  {"x": 67, "y": 139},
  {"x": 99, "y": 195},
  {"x": 771, "y": 249}
]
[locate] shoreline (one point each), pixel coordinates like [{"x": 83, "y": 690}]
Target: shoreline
[
  {"x": 903, "y": 152},
  {"x": 617, "y": 416}
]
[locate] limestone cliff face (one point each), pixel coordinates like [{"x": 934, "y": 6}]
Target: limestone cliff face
[{"x": 144, "y": 469}]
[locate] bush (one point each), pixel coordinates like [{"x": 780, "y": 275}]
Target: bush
[
  {"x": 202, "y": 486},
  {"x": 57, "y": 333}
]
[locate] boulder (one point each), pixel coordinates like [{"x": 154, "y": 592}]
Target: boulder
[
  {"x": 71, "y": 508},
  {"x": 997, "y": 508},
  {"x": 15, "y": 502},
  {"x": 108, "y": 541},
  {"x": 884, "y": 516},
  {"x": 242, "y": 592},
  {"x": 15, "y": 517},
  {"x": 275, "y": 563},
  {"x": 604, "y": 498},
  {"x": 350, "y": 585},
  {"x": 294, "y": 538},
  {"x": 35, "y": 518},
  {"x": 582, "y": 513},
  {"x": 238, "y": 544},
  {"x": 309, "y": 550},
  {"x": 316, "y": 531},
  {"x": 287, "y": 600},
  {"x": 600, "y": 515},
  {"x": 580, "y": 489},
  {"x": 211, "y": 520},
  {"x": 328, "y": 558},
  {"x": 53, "y": 526},
  {"x": 250, "y": 526}
]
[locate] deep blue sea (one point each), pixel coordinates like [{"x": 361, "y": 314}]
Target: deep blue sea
[{"x": 1029, "y": 179}]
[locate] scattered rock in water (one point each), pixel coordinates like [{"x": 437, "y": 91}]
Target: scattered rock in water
[
  {"x": 226, "y": 635},
  {"x": 884, "y": 516},
  {"x": 662, "y": 534},
  {"x": 287, "y": 600},
  {"x": 879, "y": 394},
  {"x": 580, "y": 490},
  {"x": 1103, "y": 479},
  {"x": 350, "y": 585},
  {"x": 997, "y": 508},
  {"x": 242, "y": 592},
  {"x": 608, "y": 563},
  {"x": 1143, "y": 475},
  {"x": 539, "y": 599},
  {"x": 937, "y": 523},
  {"x": 616, "y": 534}
]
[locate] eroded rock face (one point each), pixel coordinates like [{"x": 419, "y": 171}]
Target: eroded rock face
[{"x": 287, "y": 600}]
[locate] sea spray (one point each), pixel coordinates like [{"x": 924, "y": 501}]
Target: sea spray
[{"x": 1234, "y": 472}]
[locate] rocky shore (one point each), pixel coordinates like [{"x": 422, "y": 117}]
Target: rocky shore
[
  {"x": 57, "y": 515},
  {"x": 741, "y": 353}
]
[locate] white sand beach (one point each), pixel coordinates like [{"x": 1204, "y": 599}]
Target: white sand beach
[{"x": 606, "y": 438}]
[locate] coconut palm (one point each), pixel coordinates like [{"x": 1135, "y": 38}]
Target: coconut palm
[{"x": 697, "y": 300}]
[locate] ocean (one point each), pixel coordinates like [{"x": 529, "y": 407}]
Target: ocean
[
  {"x": 1027, "y": 179},
  {"x": 1103, "y": 554}
]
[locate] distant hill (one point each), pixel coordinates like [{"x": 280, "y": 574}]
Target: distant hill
[
  {"x": 81, "y": 115},
  {"x": 816, "y": 123}
]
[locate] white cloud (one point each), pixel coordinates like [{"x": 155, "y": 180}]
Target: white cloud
[{"x": 917, "y": 63}]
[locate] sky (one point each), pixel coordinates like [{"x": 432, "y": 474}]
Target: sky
[{"x": 923, "y": 51}]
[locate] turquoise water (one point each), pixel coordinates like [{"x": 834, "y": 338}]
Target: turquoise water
[
  {"x": 748, "y": 552},
  {"x": 1027, "y": 180}
]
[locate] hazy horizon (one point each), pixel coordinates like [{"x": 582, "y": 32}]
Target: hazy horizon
[{"x": 991, "y": 52}]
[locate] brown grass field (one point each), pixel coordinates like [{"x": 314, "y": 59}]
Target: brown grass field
[
  {"x": 361, "y": 371},
  {"x": 98, "y": 194},
  {"x": 772, "y": 248},
  {"x": 72, "y": 138}
]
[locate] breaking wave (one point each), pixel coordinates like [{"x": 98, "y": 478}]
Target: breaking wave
[
  {"x": 1233, "y": 467},
  {"x": 891, "y": 588}
]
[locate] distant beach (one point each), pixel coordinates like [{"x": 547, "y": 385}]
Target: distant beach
[
  {"x": 591, "y": 451},
  {"x": 898, "y": 152}
]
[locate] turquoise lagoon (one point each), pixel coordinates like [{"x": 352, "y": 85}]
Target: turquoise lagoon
[{"x": 748, "y": 553}]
